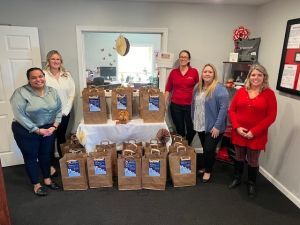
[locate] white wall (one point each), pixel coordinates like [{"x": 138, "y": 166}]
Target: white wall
[
  {"x": 281, "y": 161},
  {"x": 205, "y": 30}
]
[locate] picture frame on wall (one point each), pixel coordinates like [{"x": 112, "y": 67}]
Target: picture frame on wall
[{"x": 289, "y": 72}]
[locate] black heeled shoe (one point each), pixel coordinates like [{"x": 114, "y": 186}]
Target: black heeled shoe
[
  {"x": 41, "y": 191},
  {"x": 53, "y": 186}
]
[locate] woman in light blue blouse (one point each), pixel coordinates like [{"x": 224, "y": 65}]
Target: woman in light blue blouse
[
  {"x": 209, "y": 113},
  {"x": 37, "y": 114}
]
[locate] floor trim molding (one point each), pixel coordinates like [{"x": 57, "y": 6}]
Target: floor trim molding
[{"x": 280, "y": 187}]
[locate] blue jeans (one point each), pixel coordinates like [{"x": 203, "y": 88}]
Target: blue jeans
[{"x": 35, "y": 149}]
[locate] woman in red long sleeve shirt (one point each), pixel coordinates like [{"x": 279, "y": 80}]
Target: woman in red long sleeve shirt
[
  {"x": 253, "y": 109},
  {"x": 181, "y": 83}
]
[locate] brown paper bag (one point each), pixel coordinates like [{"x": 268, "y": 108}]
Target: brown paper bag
[
  {"x": 137, "y": 147},
  {"x": 179, "y": 138},
  {"x": 154, "y": 170},
  {"x": 112, "y": 148},
  {"x": 142, "y": 91},
  {"x": 94, "y": 105},
  {"x": 71, "y": 148},
  {"x": 153, "y": 106},
  {"x": 183, "y": 167},
  {"x": 173, "y": 147},
  {"x": 129, "y": 171},
  {"x": 73, "y": 171},
  {"x": 158, "y": 146},
  {"x": 121, "y": 99},
  {"x": 99, "y": 169},
  {"x": 154, "y": 141}
]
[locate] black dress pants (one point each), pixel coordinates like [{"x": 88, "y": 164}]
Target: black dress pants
[
  {"x": 60, "y": 136},
  {"x": 209, "y": 145},
  {"x": 181, "y": 116}
]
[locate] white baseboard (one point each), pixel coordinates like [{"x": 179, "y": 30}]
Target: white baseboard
[{"x": 281, "y": 188}]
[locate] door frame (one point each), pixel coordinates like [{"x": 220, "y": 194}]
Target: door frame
[{"x": 80, "y": 30}]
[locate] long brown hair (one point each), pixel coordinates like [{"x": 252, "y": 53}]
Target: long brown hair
[
  {"x": 211, "y": 88},
  {"x": 261, "y": 69}
]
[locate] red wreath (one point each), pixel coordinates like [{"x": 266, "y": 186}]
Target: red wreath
[{"x": 240, "y": 33}]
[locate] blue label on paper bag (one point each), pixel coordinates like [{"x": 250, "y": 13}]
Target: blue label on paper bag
[
  {"x": 121, "y": 102},
  {"x": 94, "y": 104},
  {"x": 73, "y": 168},
  {"x": 130, "y": 168},
  {"x": 100, "y": 166},
  {"x": 185, "y": 166},
  {"x": 154, "y": 103},
  {"x": 154, "y": 168}
]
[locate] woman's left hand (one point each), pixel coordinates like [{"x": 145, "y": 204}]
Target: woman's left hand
[{"x": 214, "y": 132}]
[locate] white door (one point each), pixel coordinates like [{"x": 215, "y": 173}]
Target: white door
[{"x": 19, "y": 50}]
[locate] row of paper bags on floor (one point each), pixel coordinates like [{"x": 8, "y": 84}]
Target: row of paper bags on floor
[
  {"x": 134, "y": 172},
  {"x": 95, "y": 111}
]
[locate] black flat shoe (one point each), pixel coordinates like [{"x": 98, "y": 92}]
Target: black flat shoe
[
  {"x": 236, "y": 182},
  {"x": 205, "y": 180},
  {"x": 41, "y": 191},
  {"x": 251, "y": 190},
  {"x": 53, "y": 186}
]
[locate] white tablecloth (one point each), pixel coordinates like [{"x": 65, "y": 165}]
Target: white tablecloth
[{"x": 90, "y": 135}]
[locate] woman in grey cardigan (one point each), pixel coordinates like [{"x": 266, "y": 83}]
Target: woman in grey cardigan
[{"x": 209, "y": 113}]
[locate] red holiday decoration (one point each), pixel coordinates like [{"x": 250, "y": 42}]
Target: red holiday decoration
[{"x": 240, "y": 33}]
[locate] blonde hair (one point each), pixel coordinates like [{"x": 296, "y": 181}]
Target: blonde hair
[
  {"x": 211, "y": 88},
  {"x": 48, "y": 57},
  {"x": 261, "y": 69}
]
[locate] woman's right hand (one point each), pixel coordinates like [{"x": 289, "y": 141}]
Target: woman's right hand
[
  {"x": 242, "y": 131},
  {"x": 46, "y": 132}
]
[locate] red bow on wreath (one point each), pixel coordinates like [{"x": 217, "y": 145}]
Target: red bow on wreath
[{"x": 240, "y": 33}]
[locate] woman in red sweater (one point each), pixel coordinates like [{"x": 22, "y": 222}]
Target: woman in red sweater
[
  {"x": 181, "y": 83},
  {"x": 253, "y": 109}
]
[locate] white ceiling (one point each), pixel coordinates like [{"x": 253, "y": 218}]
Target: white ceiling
[{"x": 235, "y": 2}]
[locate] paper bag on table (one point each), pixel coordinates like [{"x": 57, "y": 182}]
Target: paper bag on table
[
  {"x": 152, "y": 106},
  {"x": 121, "y": 99},
  {"x": 94, "y": 105}
]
